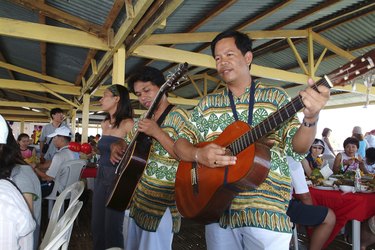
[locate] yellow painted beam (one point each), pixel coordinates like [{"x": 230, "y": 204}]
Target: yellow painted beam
[
  {"x": 38, "y": 87},
  {"x": 331, "y": 46},
  {"x": 139, "y": 9},
  {"x": 206, "y": 61},
  {"x": 167, "y": 10},
  {"x": 206, "y": 37},
  {"x": 21, "y": 112},
  {"x": 26, "y": 119},
  {"x": 118, "y": 71},
  {"x": 34, "y": 74},
  {"x": 297, "y": 55},
  {"x": 47, "y": 106},
  {"x": 34, "y": 96},
  {"x": 174, "y": 100},
  {"x": 51, "y": 34}
]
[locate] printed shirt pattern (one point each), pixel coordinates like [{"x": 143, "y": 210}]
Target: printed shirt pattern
[
  {"x": 264, "y": 207},
  {"x": 155, "y": 190}
]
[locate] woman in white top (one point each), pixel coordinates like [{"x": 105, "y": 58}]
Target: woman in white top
[
  {"x": 16, "y": 221},
  {"x": 349, "y": 160}
]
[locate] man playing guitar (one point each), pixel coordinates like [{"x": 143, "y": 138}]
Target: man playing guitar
[
  {"x": 256, "y": 218},
  {"x": 153, "y": 214}
]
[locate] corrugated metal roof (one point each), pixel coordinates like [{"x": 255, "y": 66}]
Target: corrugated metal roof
[
  {"x": 347, "y": 24},
  {"x": 95, "y": 11}
]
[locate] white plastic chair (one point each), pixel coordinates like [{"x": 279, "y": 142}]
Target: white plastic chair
[
  {"x": 60, "y": 236},
  {"x": 71, "y": 168},
  {"x": 74, "y": 191}
]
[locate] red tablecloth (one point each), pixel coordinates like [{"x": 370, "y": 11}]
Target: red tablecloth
[
  {"x": 349, "y": 206},
  {"x": 89, "y": 172}
]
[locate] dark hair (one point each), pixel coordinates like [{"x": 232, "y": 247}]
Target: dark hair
[
  {"x": 326, "y": 131},
  {"x": 351, "y": 140},
  {"x": 370, "y": 155},
  {"x": 10, "y": 155},
  {"x": 55, "y": 111},
  {"x": 146, "y": 74},
  {"x": 124, "y": 108},
  {"x": 243, "y": 41},
  {"x": 318, "y": 142},
  {"x": 22, "y": 135}
]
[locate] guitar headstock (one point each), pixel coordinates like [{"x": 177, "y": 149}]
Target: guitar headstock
[
  {"x": 358, "y": 67},
  {"x": 172, "y": 80}
]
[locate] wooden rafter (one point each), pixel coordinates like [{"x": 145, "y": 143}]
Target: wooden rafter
[
  {"x": 63, "y": 17},
  {"x": 116, "y": 8},
  {"x": 51, "y": 34},
  {"x": 210, "y": 15}
]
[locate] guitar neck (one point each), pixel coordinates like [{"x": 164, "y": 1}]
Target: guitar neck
[{"x": 272, "y": 122}]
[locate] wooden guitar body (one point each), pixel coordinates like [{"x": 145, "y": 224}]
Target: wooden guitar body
[
  {"x": 127, "y": 180},
  {"x": 204, "y": 193},
  {"x": 134, "y": 160}
]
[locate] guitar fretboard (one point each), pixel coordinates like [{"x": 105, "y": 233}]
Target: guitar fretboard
[{"x": 270, "y": 123}]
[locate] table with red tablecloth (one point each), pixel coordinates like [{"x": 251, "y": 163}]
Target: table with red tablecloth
[
  {"x": 346, "y": 206},
  {"x": 89, "y": 173}
]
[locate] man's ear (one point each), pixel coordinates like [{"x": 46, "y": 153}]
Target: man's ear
[{"x": 249, "y": 57}]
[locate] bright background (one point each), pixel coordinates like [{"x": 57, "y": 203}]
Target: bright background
[{"x": 341, "y": 122}]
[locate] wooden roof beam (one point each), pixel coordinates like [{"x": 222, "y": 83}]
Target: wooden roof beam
[
  {"x": 34, "y": 96},
  {"x": 63, "y": 17},
  {"x": 206, "y": 61},
  {"x": 139, "y": 9},
  {"x": 51, "y": 34},
  {"x": 114, "y": 12},
  {"x": 34, "y": 74},
  {"x": 47, "y": 106},
  {"x": 207, "y": 37}
]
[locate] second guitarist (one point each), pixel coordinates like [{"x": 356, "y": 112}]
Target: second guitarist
[
  {"x": 153, "y": 214},
  {"x": 255, "y": 219}
]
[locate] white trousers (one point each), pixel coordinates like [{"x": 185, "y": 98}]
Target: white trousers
[
  {"x": 245, "y": 238},
  {"x": 139, "y": 239}
]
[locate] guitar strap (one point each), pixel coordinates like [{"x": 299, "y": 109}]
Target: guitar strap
[
  {"x": 251, "y": 104},
  {"x": 165, "y": 113}
]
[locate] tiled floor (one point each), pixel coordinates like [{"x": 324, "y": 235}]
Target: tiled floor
[{"x": 191, "y": 235}]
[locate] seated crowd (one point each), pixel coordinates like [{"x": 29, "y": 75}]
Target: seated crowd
[{"x": 25, "y": 181}]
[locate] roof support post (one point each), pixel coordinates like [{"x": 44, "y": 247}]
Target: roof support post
[
  {"x": 73, "y": 124},
  {"x": 85, "y": 117},
  {"x": 310, "y": 54},
  {"x": 118, "y": 71}
]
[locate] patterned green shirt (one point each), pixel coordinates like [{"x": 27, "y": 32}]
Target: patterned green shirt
[
  {"x": 155, "y": 190},
  {"x": 264, "y": 207}
]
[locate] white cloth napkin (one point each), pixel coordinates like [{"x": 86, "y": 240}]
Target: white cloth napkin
[{"x": 326, "y": 171}]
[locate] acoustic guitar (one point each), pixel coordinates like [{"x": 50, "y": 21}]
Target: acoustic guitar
[
  {"x": 204, "y": 193},
  {"x": 132, "y": 164}
]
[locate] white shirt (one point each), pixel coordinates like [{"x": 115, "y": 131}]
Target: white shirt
[
  {"x": 298, "y": 176},
  {"x": 16, "y": 221},
  {"x": 55, "y": 170}
]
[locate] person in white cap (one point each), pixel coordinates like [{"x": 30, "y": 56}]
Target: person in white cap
[
  {"x": 16, "y": 222},
  {"x": 313, "y": 159},
  {"x": 48, "y": 171}
]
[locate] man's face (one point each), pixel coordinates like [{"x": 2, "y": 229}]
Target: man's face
[
  {"x": 57, "y": 141},
  {"x": 231, "y": 65},
  {"x": 146, "y": 92},
  {"x": 58, "y": 117}
]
